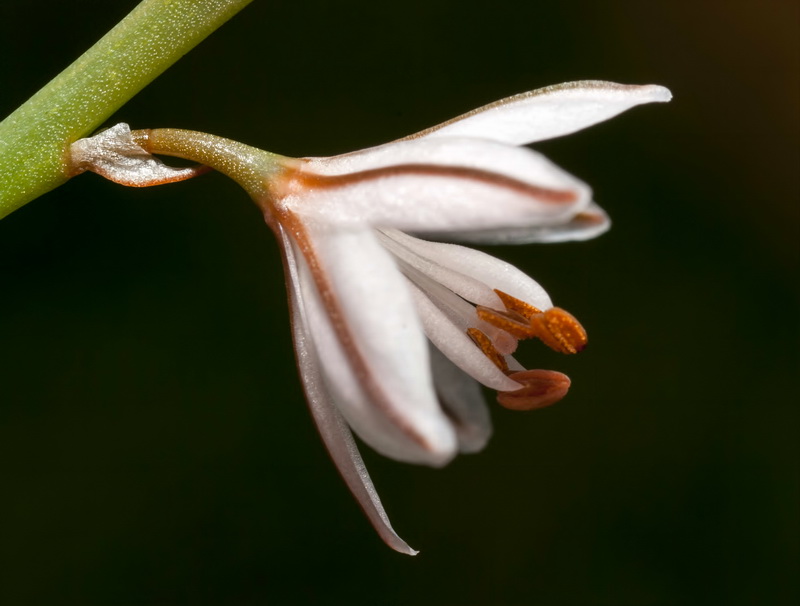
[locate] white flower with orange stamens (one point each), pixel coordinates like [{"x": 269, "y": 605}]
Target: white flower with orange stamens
[{"x": 394, "y": 334}]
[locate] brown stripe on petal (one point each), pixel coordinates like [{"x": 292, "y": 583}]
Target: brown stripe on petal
[
  {"x": 333, "y": 307},
  {"x": 588, "y": 219},
  {"x": 543, "y": 194}
]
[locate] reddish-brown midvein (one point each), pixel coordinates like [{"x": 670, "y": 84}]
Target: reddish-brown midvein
[
  {"x": 544, "y": 194},
  {"x": 293, "y": 224}
]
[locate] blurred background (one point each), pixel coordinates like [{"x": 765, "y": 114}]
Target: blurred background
[{"x": 155, "y": 447}]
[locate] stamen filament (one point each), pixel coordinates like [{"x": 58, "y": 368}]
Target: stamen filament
[
  {"x": 518, "y": 326},
  {"x": 489, "y": 350}
]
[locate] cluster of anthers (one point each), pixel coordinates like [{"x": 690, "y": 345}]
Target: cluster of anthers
[
  {"x": 394, "y": 334},
  {"x": 555, "y": 327}
]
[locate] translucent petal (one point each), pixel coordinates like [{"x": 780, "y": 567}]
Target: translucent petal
[
  {"x": 372, "y": 348},
  {"x": 590, "y": 223},
  {"x": 454, "y": 343},
  {"x": 461, "y": 397},
  {"x": 460, "y": 268},
  {"x": 548, "y": 112},
  {"x": 414, "y": 253},
  {"x": 332, "y": 427}
]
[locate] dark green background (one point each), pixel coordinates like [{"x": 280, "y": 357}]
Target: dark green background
[{"x": 154, "y": 443}]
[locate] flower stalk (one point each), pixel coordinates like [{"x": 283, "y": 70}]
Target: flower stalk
[{"x": 252, "y": 168}]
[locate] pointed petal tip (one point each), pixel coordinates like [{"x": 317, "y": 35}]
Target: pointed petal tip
[
  {"x": 549, "y": 112},
  {"x": 649, "y": 93},
  {"x": 441, "y": 453},
  {"x": 400, "y": 546},
  {"x": 659, "y": 94}
]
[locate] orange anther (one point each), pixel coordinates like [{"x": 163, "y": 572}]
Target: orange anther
[
  {"x": 540, "y": 388},
  {"x": 559, "y": 330},
  {"x": 489, "y": 350},
  {"x": 512, "y": 304}
]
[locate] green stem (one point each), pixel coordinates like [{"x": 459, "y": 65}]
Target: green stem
[
  {"x": 35, "y": 138},
  {"x": 252, "y": 168}
]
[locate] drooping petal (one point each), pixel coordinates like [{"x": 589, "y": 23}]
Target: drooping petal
[
  {"x": 589, "y": 223},
  {"x": 372, "y": 349},
  {"x": 548, "y": 112},
  {"x": 461, "y": 269},
  {"x": 435, "y": 185},
  {"x": 332, "y": 427},
  {"x": 461, "y": 397}
]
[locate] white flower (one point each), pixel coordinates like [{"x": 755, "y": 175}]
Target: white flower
[
  {"x": 360, "y": 324},
  {"x": 394, "y": 333}
]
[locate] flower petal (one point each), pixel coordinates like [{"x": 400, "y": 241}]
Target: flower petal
[
  {"x": 548, "y": 112},
  {"x": 470, "y": 273},
  {"x": 461, "y": 397},
  {"x": 371, "y": 346},
  {"x": 454, "y": 343},
  {"x": 435, "y": 185},
  {"x": 332, "y": 427},
  {"x": 414, "y": 255},
  {"x": 589, "y": 223}
]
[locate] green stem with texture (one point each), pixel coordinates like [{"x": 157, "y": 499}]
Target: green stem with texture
[
  {"x": 35, "y": 138},
  {"x": 250, "y": 167}
]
